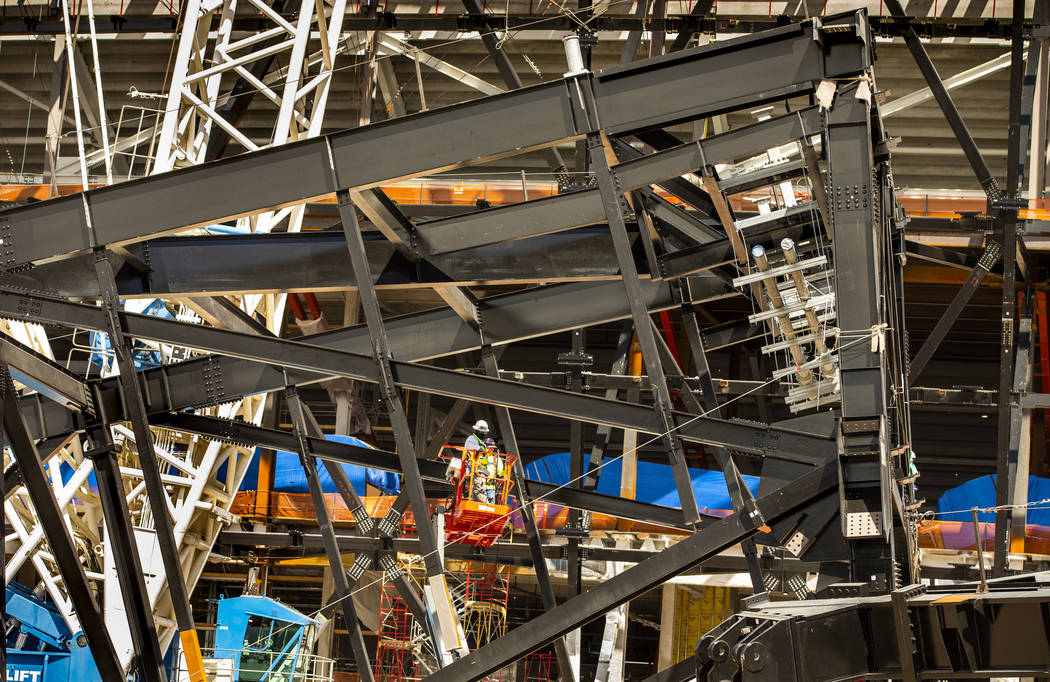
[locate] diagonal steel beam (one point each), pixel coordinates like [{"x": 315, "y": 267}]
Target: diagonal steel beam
[
  {"x": 58, "y": 538},
  {"x": 642, "y": 326},
  {"x": 44, "y": 375},
  {"x": 944, "y": 100},
  {"x": 331, "y": 545},
  {"x": 268, "y": 353},
  {"x": 620, "y": 589},
  {"x": 987, "y": 261}
]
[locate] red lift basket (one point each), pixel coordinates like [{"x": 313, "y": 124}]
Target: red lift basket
[{"x": 472, "y": 522}]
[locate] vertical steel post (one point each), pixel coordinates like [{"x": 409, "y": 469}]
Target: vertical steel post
[
  {"x": 642, "y": 324},
  {"x": 58, "y": 538},
  {"x": 865, "y": 482},
  {"x": 1006, "y": 217}
]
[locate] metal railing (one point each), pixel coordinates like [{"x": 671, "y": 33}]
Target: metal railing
[{"x": 247, "y": 665}]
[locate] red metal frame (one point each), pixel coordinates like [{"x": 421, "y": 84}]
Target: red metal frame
[
  {"x": 471, "y": 522},
  {"x": 395, "y": 659}
]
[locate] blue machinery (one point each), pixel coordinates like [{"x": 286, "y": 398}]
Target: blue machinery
[
  {"x": 257, "y": 639},
  {"x": 265, "y": 640},
  {"x": 40, "y": 647}
]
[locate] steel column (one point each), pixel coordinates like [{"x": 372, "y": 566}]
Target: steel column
[
  {"x": 58, "y": 538},
  {"x": 1006, "y": 217}
]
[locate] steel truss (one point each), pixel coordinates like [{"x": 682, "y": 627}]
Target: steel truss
[{"x": 834, "y": 491}]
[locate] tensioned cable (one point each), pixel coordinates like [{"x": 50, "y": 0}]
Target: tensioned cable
[{"x": 414, "y": 560}]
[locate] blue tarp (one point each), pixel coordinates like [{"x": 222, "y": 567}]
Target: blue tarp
[
  {"x": 955, "y": 504},
  {"x": 289, "y": 477},
  {"x": 143, "y": 355},
  {"x": 655, "y": 481}
]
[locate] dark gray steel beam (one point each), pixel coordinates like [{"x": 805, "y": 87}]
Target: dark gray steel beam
[
  {"x": 44, "y": 375},
  {"x": 683, "y": 671},
  {"x": 739, "y": 494},
  {"x": 331, "y": 545},
  {"x": 621, "y": 588},
  {"x": 135, "y": 408},
  {"x": 643, "y": 327},
  {"x": 860, "y": 260},
  {"x": 406, "y": 451},
  {"x": 326, "y": 450},
  {"x": 490, "y": 362},
  {"x": 1006, "y": 217},
  {"x": 57, "y": 534},
  {"x": 317, "y": 261},
  {"x": 271, "y": 356},
  {"x": 944, "y": 100},
  {"x": 126, "y": 557},
  {"x": 658, "y": 92},
  {"x": 980, "y": 270}
]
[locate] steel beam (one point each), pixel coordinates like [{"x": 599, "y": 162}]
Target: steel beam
[
  {"x": 267, "y": 354},
  {"x": 1006, "y": 218},
  {"x": 44, "y": 375},
  {"x": 528, "y": 517},
  {"x": 324, "y": 521},
  {"x": 984, "y": 265},
  {"x": 447, "y": 622},
  {"x": 865, "y": 514},
  {"x": 643, "y": 327},
  {"x": 317, "y": 261},
  {"x": 124, "y": 549},
  {"x": 944, "y": 100},
  {"x": 621, "y": 588},
  {"x": 58, "y": 537},
  {"x": 782, "y": 62},
  {"x": 156, "y": 493}
]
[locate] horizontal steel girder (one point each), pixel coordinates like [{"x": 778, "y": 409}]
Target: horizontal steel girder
[
  {"x": 318, "y": 261},
  {"x": 267, "y": 359},
  {"x": 745, "y": 71}
]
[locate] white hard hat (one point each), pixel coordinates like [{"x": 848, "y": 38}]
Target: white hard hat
[{"x": 481, "y": 426}]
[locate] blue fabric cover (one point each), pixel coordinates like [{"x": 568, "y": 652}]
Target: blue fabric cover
[
  {"x": 289, "y": 477},
  {"x": 655, "y": 481},
  {"x": 955, "y": 504},
  {"x": 143, "y": 356}
]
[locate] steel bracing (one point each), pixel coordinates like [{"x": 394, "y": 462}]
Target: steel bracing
[{"x": 651, "y": 230}]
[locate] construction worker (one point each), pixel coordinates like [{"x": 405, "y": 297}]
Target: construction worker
[
  {"x": 473, "y": 447},
  {"x": 490, "y": 465}
]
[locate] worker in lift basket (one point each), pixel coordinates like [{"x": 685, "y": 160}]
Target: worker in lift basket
[{"x": 474, "y": 445}]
